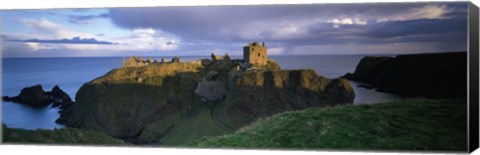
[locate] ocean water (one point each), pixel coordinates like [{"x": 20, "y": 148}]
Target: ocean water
[{"x": 71, "y": 73}]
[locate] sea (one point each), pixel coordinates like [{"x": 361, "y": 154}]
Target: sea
[{"x": 71, "y": 73}]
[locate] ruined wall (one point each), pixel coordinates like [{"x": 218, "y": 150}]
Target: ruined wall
[{"x": 134, "y": 62}]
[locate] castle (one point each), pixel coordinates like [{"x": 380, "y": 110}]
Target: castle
[{"x": 255, "y": 53}]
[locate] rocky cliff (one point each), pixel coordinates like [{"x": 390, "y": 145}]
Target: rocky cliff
[
  {"x": 35, "y": 96},
  {"x": 124, "y": 100},
  {"x": 441, "y": 75},
  {"x": 148, "y": 103},
  {"x": 257, "y": 94}
]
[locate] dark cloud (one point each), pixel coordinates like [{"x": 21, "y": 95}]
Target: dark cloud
[
  {"x": 85, "y": 19},
  {"x": 312, "y": 28},
  {"x": 74, "y": 40},
  {"x": 4, "y": 37},
  {"x": 215, "y": 22},
  {"x": 417, "y": 27},
  {"x": 225, "y": 23},
  {"x": 170, "y": 43}
]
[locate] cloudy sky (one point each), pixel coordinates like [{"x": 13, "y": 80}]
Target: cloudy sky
[{"x": 375, "y": 28}]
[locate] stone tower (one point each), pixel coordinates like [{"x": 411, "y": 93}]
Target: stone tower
[
  {"x": 255, "y": 53},
  {"x": 176, "y": 59}
]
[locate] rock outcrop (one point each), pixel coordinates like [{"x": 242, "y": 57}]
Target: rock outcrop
[
  {"x": 257, "y": 94},
  {"x": 60, "y": 95},
  {"x": 441, "y": 75},
  {"x": 64, "y": 102},
  {"x": 32, "y": 96},
  {"x": 35, "y": 96}
]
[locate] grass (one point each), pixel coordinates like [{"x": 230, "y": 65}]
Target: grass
[
  {"x": 133, "y": 74},
  {"x": 401, "y": 125},
  {"x": 183, "y": 127},
  {"x": 58, "y": 136}
]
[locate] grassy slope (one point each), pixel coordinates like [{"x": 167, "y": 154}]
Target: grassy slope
[
  {"x": 58, "y": 136},
  {"x": 402, "y": 125},
  {"x": 184, "y": 128}
]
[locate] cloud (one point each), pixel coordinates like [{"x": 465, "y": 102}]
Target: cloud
[
  {"x": 281, "y": 23},
  {"x": 391, "y": 29},
  {"x": 45, "y": 29},
  {"x": 206, "y": 23},
  {"x": 434, "y": 11},
  {"x": 86, "y": 19},
  {"x": 286, "y": 29},
  {"x": 347, "y": 21},
  {"x": 387, "y": 48},
  {"x": 170, "y": 43},
  {"x": 148, "y": 39},
  {"x": 276, "y": 51},
  {"x": 74, "y": 40},
  {"x": 33, "y": 45},
  {"x": 43, "y": 34}
]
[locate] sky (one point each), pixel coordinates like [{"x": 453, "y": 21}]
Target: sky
[{"x": 305, "y": 29}]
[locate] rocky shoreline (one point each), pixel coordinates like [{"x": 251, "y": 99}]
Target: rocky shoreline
[
  {"x": 439, "y": 75},
  {"x": 35, "y": 96}
]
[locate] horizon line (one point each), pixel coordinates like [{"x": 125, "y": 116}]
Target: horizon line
[{"x": 146, "y": 56}]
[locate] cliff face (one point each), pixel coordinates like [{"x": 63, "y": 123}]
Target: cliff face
[
  {"x": 257, "y": 94},
  {"x": 123, "y": 101},
  {"x": 158, "y": 103},
  {"x": 442, "y": 75}
]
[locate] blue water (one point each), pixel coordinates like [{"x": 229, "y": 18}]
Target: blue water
[
  {"x": 71, "y": 73},
  {"x": 334, "y": 66}
]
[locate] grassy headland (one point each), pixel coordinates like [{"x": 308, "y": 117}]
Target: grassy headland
[
  {"x": 58, "y": 136},
  {"x": 401, "y": 125}
]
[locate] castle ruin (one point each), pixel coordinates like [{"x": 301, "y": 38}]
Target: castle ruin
[
  {"x": 254, "y": 53},
  {"x": 216, "y": 58},
  {"x": 138, "y": 61},
  {"x": 135, "y": 61}
]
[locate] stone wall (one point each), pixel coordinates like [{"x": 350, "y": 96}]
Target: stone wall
[{"x": 255, "y": 54}]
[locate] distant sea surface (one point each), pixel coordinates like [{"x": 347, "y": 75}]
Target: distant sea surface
[{"x": 71, "y": 73}]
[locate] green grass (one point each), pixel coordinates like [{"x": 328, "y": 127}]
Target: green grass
[
  {"x": 58, "y": 136},
  {"x": 183, "y": 127},
  {"x": 402, "y": 125}
]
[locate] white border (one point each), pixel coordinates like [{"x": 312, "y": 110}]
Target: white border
[{"x": 45, "y": 4}]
